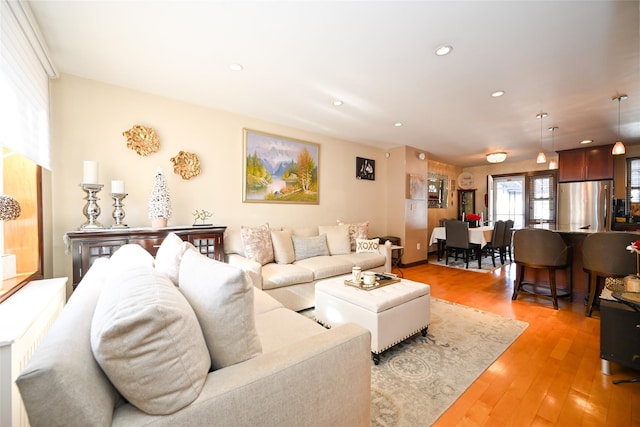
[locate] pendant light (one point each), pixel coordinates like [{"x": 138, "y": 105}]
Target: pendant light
[
  {"x": 618, "y": 148},
  {"x": 552, "y": 163},
  {"x": 541, "y": 156}
]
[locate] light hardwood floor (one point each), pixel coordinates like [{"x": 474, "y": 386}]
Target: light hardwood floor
[{"x": 550, "y": 375}]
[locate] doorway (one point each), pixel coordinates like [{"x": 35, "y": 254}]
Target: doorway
[{"x": 508, "y": 199}]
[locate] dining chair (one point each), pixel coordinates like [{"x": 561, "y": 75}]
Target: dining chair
[
  {"x": 541, "y": 249},
  {"x": 496, "y": 246},
  {"x": 606, "y": 255},
  {"x": 508, "y": 238},
  {"x": 458, "y": 240}
]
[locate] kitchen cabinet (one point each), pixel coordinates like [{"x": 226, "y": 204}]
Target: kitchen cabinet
[{"x": 585, "y": 164}]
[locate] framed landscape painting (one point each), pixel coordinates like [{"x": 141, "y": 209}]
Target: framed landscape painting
[{"x": 279, "y": 169}]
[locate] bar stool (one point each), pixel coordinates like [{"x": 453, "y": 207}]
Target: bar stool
[
  {"x": 606, "y": 255},
  {"x": 541, "y": 249}
]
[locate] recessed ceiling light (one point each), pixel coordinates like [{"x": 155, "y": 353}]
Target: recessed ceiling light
[
  {"x": 586, "y": 141},
  {"x": 235, "y": 67},
  {"x": 443, "y": 50},
  {"x": 337, "y": 103},
  {"x": 497, "y": 93},
  {"x": 397, "y": 124}
]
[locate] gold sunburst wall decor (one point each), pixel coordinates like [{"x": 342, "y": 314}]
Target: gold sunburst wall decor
[
  {"x": 142, "y": 140},
  {"x": 185, "y": 164}
]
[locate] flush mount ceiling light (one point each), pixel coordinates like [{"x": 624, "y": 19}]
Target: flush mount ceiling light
[
  {"x": 443, "y": 50},
  {"x": 236, "y": 67},
  {"x": 541, "y": 156},
  {"x": 397, "y": 124},
  {"x": 337, "y": 103},
  {"x": 497, "y": 157},
  {"x": 618, "y": 148},
  {"x": 497, "y": 93},
  {"x": 586, "y": 141},
  {"x": 552, "y": 163}
]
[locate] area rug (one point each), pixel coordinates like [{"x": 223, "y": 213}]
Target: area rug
[
  {"x": 487, "y": 265},
  {"x": 420, "y": 378}
]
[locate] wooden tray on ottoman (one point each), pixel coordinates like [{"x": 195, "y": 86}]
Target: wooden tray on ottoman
[{"x": 387, "y": 280}]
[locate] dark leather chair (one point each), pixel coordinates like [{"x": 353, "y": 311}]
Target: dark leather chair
[
  {"x": 508, "y": 238},
  {"x": 442, "y": 243},
  {"x": 605, "y": 255},
  {"x": 458, "y": 240},
  {"x": 496, "y": 246},
  {"x": 541, "y": 249}
]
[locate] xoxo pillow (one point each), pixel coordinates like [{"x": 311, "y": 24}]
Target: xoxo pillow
[{"x": 365, "y": 245}]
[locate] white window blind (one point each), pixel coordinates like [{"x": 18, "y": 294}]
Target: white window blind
[
  {"x": 542, "y": 197},
  {"x": 25, "y": 70}
]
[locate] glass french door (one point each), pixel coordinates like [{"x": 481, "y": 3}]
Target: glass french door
[{"x": 508, "y": 199}]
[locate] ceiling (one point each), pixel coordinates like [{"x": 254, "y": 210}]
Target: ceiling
[{"x": 566, "y": 58}]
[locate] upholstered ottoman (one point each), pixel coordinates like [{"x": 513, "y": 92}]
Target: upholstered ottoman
[{"x": 391, "y": 313}]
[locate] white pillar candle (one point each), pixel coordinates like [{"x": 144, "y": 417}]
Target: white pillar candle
[
  {"x": 90, "y": 173},
  {"x": 117, "y": 187}
]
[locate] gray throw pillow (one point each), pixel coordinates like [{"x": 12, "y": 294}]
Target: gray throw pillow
[
  {"x": 147, "y": 340},
  {"x": 307, "y": 247},
  {"x": 222, "y": 297}
]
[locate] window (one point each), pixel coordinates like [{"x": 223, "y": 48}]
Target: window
[
  {"x": 24, "y": 138},
  {"x": 541, "y": 198},
  {"x": 527, "y": 198},
  {"x": 633, "y": 187}
]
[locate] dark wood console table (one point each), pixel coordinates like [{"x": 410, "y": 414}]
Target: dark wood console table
[{"x": 87, "y": 246}]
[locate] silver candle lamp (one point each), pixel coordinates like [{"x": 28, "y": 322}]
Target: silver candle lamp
[
  {"x": 91, "y": 209},
  {"x": 118, "y": 212}
]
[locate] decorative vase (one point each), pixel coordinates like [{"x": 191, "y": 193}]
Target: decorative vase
[
  {"x": 158, "y": 222},
  {"x": 159, "y": 200}
]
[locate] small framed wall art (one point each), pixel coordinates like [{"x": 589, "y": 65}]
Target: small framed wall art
[{"x": 365, "y": 169}]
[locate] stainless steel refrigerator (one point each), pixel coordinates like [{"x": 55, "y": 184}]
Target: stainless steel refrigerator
[{"x": 585, "y": 205}]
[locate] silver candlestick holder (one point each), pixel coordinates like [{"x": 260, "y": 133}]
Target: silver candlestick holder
[
  {"x": 91, "y": 209},
  {"x": 118, "y": 213}
]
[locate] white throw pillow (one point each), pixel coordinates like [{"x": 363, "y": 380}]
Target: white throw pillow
[
  {"x": 358, "y": 230},
  {"x": 257, "y": 243},
  {"x": 222, "y": 297},
  {"x": 132, "y": 254},
  {"x": 307, "y": 247},
  {"x": 170, "y": 254},
  {"x": 147, "y": 340},
  {"x": 364, "y": 245},
  {"x": 337, "y": 238},
  {"x": 282, "y": 246}
]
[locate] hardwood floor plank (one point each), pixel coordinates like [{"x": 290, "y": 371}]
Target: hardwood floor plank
[{"x": 550, "y": 375}]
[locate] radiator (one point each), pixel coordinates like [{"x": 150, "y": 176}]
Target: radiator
[{"x": 25, "y": 318}]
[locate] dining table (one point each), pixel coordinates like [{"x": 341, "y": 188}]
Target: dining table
[{"x": 478, "y": 235}]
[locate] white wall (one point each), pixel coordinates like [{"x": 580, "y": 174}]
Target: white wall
[{"x": 88, "y": 119}]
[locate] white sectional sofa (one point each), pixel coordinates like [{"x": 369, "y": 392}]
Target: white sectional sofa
[
  {"x": 131, "y": 348},
  {"x": 301, "y": 256}
]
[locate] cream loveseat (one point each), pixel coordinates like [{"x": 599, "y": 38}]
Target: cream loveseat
[
  {"x": 130, "y": 349},
  {"x": 287, "y": 262}
]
